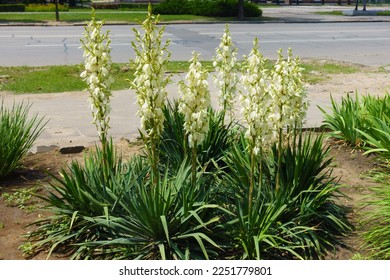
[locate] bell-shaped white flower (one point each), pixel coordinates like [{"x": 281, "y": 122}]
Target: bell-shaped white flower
[
  {"x": 256, "y": 101},
  {"x": 226, "y": 79},
  {"x": 150, "y": 79},
  {"x": 195, "y": 101},
  {"x": 97, "y": 73},
  {"x": 288, "y": 92}
]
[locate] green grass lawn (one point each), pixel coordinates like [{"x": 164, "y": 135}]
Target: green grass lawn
[
  {"x": 85, "y": 15},
  {"x": 109, "y": 15},
  {"x": 49, "y": 79},
  {"x": 45, "y": 79}
]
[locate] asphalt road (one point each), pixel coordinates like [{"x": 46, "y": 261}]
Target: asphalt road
[{"x": 366, "y": 43}]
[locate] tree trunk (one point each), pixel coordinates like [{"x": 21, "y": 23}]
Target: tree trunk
[
  {"x": 57, "y": 13},
  {"x": 241, "y": 15}
]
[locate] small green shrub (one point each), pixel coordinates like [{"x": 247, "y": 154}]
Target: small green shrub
[
  {"x": 218, "y": 8},
  {"x": 252, "y": 10},
  {"x": 107, "y": 5},
  {"x": 309, "y": 190},
  {"x": 17, "y": 135},
  {"x": 12, "y": 7},
  {"x": 173, "y": 7},
  {"x": 133, "y": 6},
  {"x": 46, "y": 8}
]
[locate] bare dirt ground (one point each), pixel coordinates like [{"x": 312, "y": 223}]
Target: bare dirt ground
[{"x": 348, "y": 165}]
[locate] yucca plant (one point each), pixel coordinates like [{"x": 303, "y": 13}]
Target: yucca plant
[
  {"x": 81, "y": 193},
  {"x": 304, "y": 220},
  {"x": 171, "y": 220},
  {"x": 257, "y": 230},
  {"x": 310, "y": 191},
  {"x": 18, "y": 132}
]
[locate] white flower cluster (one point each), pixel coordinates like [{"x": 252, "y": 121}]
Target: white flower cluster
[
  {"x": 288, "y": 92},
  {"x": 97, "y": 73},
  {"x": 195, "y": 101},
  {"x": 225, "y": 63},
  {"x": 271, "y": 102},
  {"x": 150, "y": 80},
  {"x": 257, "y": 103}
]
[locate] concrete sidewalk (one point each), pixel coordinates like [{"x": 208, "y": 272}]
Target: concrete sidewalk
[{"x": 70, "y": 120}]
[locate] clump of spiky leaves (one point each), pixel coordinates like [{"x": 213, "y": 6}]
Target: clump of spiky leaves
[
  {"x": 81, "y": 193},
  {"x": 361, "y": 122},
  {"x": 309, "y": 190},
  {"x": 376, "y": 131},
  {"x": 300, "y": 219},
  {"x": 18, "y": 132},
  {"x": 129, "y": 216},
  {"x": 345, "y": 119},
  {"x": 378, "y": 137},
  {"x": 174, "y": 219}
]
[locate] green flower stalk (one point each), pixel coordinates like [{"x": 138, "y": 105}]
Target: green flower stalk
[
  {"x": 194, "y": 103},
  {"x": 150, "y": 80},
  {"x": 97, "y": 74},
  {"x": 225, "y": 63},
  {"x": 256, "y": 109},
  {"x": 288, "y": 96}
]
